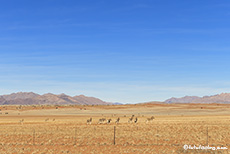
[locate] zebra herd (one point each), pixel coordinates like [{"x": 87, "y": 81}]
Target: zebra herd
[
  {"x": 132, "y": 119},
  {"x": 103, "y": 120}
]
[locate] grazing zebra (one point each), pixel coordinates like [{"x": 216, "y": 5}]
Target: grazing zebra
[
  {"x": 131, "y": 119},
  {"x": 135, "y": 121},
  {"x": 89, "y": 121},
  {"x": 117, "y": 121},
  {"x": 101, "y": 121},
  {"x": 150, "y": 119},
  {"x": 108, "y": 121}
]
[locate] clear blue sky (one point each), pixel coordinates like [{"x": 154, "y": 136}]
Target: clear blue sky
[{"x": 120, "y": 51}]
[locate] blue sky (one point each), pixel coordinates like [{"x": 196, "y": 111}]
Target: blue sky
[{"x": 120, "y": 51}]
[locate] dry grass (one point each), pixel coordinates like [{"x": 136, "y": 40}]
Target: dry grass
[{"x": 69, "y": 133}]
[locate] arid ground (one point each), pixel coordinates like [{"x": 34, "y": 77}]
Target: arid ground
[{"x": 64, "y": 129}]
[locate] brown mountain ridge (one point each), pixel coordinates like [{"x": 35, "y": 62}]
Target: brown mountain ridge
[
  {"x": 30, "y": 98},
  {"x": 223, "y": 98}
]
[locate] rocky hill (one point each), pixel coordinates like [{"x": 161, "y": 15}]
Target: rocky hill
[
  {"x": 223, "y": 98},
  {"x": 30, "y": 98}
]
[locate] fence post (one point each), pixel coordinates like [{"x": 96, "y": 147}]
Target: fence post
[
  {"x": 34, "y": 137},
  {"x": 114, "y": 135},
  {"x": 207, "y": 136}
]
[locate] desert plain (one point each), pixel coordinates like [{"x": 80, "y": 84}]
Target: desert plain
[{"x": 57, "y": 129}]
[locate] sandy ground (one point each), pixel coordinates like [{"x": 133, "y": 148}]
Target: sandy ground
[{"x": 63, "y": 129}]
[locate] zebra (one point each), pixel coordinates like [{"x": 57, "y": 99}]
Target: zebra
[
  {"x": 101, "y": 121},
  {"x": 117, "y": 121},
  {"x": 131, "y": 119},
  {"x": 135, "y": 121},
  {"x": 108, "y": 121},
  {"x": 150, "y": 119},
  {"x": 89, "y": 121}
]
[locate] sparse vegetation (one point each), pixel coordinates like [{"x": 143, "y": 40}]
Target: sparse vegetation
[{"x": 83, "y": 133}]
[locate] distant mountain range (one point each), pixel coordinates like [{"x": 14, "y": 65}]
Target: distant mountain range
[
  {"x": 117, "y": 103},
  {"x": 30, "y": 98},
  {"x": 223, "y": 98}
]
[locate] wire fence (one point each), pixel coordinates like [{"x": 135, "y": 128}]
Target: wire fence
[{"x": 174, "y": 135}]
